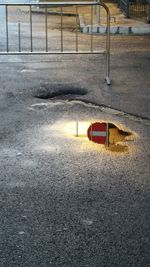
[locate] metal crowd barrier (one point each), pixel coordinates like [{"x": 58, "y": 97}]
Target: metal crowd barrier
[{"x": 29, "y": 8}]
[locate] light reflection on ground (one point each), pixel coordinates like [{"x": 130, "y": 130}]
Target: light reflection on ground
[{"x": 77, "y": 130}]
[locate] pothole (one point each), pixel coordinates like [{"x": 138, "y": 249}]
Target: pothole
[{"x": 59, "y": 91}]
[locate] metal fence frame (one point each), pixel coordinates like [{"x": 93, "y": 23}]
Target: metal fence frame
[
  {"x": 139, "y": 9},
  {"x": 47, "y": 5},
  {"x": 135, "y": 9}
]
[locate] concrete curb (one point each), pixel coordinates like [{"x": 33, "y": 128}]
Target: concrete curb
[{"x": 124, "y": 30}]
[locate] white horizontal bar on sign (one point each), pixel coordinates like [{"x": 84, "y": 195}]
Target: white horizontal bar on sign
[{"x": 96, "y": 133}]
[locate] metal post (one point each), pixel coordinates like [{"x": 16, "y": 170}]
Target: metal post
[
  {"x": 77, "y": 129},
  {"x": 19, "y": 37},
  {"x": 46, "y": 32},
  {"x": 98, "y": 11},
  {"x": 76, "y": 28},
  {"x": 99, "y": 14},
  {"x": 61, "y": 30},
  {"x": 7, "y": 41},
  {"x": 107, "y": 45},
  {"x": 91, "y": 28},
  {"x": 31, "y": 41},
  {"x": 107, "y": 134}
]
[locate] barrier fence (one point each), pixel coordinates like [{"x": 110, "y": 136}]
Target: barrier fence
[
  {"x": 135, "y": 9},
  {"x": 19, "y": 29}
]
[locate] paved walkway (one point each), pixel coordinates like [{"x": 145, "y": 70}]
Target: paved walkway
[{"x": 119, "y": 24}]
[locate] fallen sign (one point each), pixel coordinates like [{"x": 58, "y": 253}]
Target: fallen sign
[{"x": 98, "y": 132}]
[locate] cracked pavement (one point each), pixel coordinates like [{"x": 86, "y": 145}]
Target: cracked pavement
[{"x": 65, "y": 201}]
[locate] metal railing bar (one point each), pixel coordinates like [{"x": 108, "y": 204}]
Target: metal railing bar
[
  {"x": 7, "y": 41},
  {"x": 107, "y": 45},
  {"x": 31, "y": 35},
  {"x": 46, "y": 31},
  {"x": 51, "y": 52},
  {"x": 91, "y": 28},
  {"x": 76, "y": 28},
  {"x": 49, "y": 4},
  {"x": 19, "y": 37},
  {"x": 61, "y": 18}
]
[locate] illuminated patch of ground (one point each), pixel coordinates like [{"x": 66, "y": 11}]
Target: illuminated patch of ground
[
  {"x": 116, "y": 135},
  {"x": 119, "y": 135}
]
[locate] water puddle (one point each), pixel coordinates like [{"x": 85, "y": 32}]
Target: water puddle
[{"x": 117, "y": 138}]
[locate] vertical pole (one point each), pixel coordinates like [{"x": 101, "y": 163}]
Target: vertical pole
[
  {"x": 46, "y": 32},
  {"x": 61, "y": 30},
  {"x": 98, "y": 11},
  {"x": 107, "y": 46},
  {"x": 76, "y": 28},
  {"x": 107, "y": 134},
  {"x": 95, "y": 8},
  {"x": 91, "y": 28},
  {"x": 31, "y": 41},
  {"x": 77, "y": 129},
  {"x": 7, "y": 42},
  {"x": 19, "y": 37},
  {"x": 99, "y": 14}
]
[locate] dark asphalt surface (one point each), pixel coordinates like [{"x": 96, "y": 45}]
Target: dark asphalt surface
[{"x": 65, "y": 201}]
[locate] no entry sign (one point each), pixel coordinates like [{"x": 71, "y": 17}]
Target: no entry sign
[{"x": 98, "y": 133}]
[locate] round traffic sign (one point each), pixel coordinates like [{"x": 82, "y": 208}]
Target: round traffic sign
[{"x": 97, "y": 132}]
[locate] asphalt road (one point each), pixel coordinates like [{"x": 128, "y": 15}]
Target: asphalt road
[{"x": 65, "y": 201}]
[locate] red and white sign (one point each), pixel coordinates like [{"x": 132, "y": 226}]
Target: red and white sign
[{"x": 97, "y": 132}]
